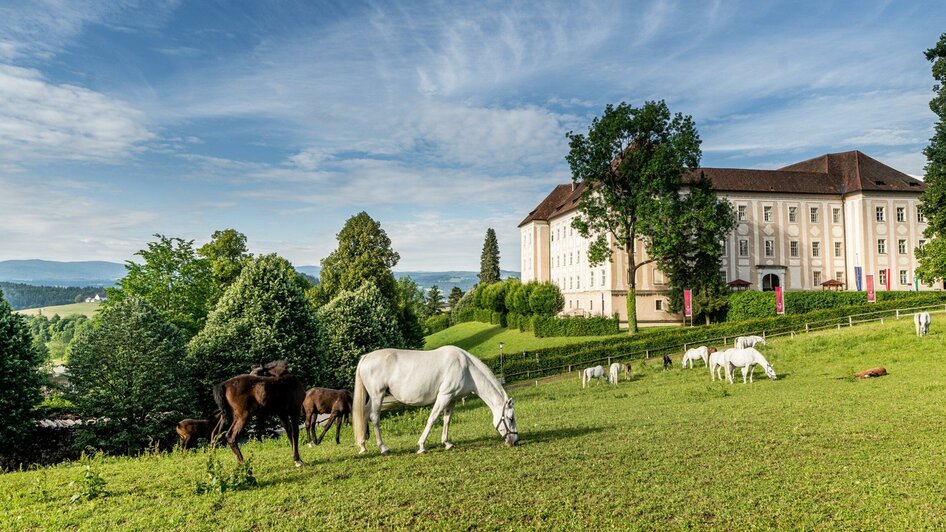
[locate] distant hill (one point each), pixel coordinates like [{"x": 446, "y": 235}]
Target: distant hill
[
  {"x": 52, "y": 273},
  {"x": 444, "y": 280}
]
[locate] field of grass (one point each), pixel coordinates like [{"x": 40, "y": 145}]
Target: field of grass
[
  {"x": 88, "y": 309},
  {"x": 669, "y": 449},
  {"x": 482, "y": 339}
]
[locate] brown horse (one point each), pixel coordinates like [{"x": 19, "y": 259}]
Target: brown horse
[
  {"x": 336, "y": 403},
  {"x": 270, "y": 390},
  {"x": 188, "y": 430}
]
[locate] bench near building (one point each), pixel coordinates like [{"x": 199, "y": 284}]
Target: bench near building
[{"x": 797, "y": 227}]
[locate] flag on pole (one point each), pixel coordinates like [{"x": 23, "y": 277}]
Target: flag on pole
[
  {"x": 871, "y": 296},
  {"x": 888, "y": 279},
  {"x": 779, "y": 300},
  {"x": 857, "y": 278},
  {"x": 687, "y": 304}
]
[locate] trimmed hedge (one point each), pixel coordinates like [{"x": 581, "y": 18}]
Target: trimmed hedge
[
  {"x": 668, "y": 340},
  {"x": 436, "y": 323},
  {"x": 752, "y": 304},
  {"x": 546, "y": 326}
]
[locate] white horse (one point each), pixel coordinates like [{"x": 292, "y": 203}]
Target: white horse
[
  {"x": 420, "y": 378},
  {"x": 615, "y": 370},
  {"x": 716, "y": 363},
  {"x": 697, "y": 353},
  {"x": 596, "y": 372},
  {"x": 921, "y": 320},
  {"x": 743, "y": 342},
  {"x": 746, "y": 359}
]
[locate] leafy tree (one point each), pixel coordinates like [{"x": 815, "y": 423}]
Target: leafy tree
[
  {"x": 356, "y": 323},
  {"x": 411, "y": 309},
  {"x": 489, "y": 259},
  {"x": 20, "y": 378},
  {"x": 546, "y": 299},
  {"x": 227, "y": 252},
  {"x": 411, "y": 295},
  {"x": 464, "y": 304},
  {"x": 494, "y": 297},
  {"x": 262, "y": 316},
  {"x": 173, "y": 279},
  {"x": 434, "y": 302},
  {"x": 128, "y": 369},
  {"x": 455, "y": 294},
  {"x": 631, "y": 162},
  {"x": 932, "y": 256},
  {"x": 690, "y": 249},
  {"x": 517, "y": 297}
]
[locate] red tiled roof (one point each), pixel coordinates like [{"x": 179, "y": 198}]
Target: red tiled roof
[
  {"x": 858, "y": 172},
  {"x": 545, "y": 209},
  {"x": 778, "y": 181}
]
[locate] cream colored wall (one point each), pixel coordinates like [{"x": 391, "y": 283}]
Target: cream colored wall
[{"x": 534, "y": 247}]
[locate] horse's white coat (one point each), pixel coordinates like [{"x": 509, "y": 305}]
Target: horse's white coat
[
  {"x": 717, "y": 361},
  {"x": 746, "y": 359},
  {"x": 743, "y": 342},
  {"x": 921, "y": 320},
  {"x": 596, "y": 372},
  {"x": 615, "y": 371},
  {"x": 697, "y": 353},
  {"x": 420, "y": 378}
]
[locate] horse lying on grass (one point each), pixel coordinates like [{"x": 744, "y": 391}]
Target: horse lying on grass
[
  {"x": 336, "y": 403},
  {"x": 420, "y": 378},
  {"x": 596, "y": 373}
]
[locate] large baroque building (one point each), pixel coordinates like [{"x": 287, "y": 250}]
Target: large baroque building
[{"x": 797, "y": 227}]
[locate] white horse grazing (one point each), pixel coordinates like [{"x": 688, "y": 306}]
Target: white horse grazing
[
  {"x": 746, "y": 359},
  {"x": 697, "y": 353},
  {"x": 743, "y": 342},
  {"x": 921, "y": 320},
  {"x": 716, "y": 363},
  {"x": 420, "y": 378},
  {"x": 616, "y": 369},
  {"x": 596, "y": 372}
]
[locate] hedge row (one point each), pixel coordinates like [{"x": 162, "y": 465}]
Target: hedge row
[
  {"x": 546, "y": 326},
  {"x": 752, "y": 304},
  {"x": 668, "y": 340},
  {"x": 436, "y": 323}
]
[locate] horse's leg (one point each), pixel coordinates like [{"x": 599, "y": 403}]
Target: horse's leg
[
  {"x": 375, "y": 416},
  {"x": 327, "y": 425},
  {"x": 338, "y": 430},
  {"x": 447, "y": 413},
  {"x": 439, "y": 405},
  {"x": 239, "y": 420},
  {"x": 291, "y": 424}
]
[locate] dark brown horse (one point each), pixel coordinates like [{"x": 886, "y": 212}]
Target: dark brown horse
[
  {"x": 336, "y": 403},
  {"x": 269, "y": 390},
  {"x": 188, "y": 430}
]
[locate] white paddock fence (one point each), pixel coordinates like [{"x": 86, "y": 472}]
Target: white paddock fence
[{"x": 791, "y": 331}]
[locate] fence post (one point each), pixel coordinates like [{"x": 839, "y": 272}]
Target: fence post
[
  {"x": 839, "y": 326},
  {"x": 850, "y": 321},
  {"x": 609, "y": 361},
  {"x": 793, "y": 334},
  {"x": 763, "y": 335},
  {"x": 647, "y": 353},
  {"x": 881, "y": 321},
  {"x": 685, "y": 348},
  {"x": 806, "y": 327}
]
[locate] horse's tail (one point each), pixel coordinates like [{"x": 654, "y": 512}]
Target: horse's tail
[
  {"x": 359, "y": 422},
  {"x": 226, "y": 413}
]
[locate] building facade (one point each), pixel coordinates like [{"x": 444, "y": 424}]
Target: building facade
[{"x": 825, "y": 218}]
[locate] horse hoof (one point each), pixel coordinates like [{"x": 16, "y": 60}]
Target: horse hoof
[
  {"x": 298, "y": 463},
  {"x": 447, "y": 445},
  {"x": 420, "y": 451},
  {"x": 362, "y": 451},
  {"x": 385, "y": 450}
]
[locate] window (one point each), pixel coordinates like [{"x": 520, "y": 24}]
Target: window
[
  {"x": 881, "y": 214},
  {"x": 837, "y": 249},
  {"x": 553, "y": 236},
  {"x": 793, "y": 248},
  {"x": 741, "y": 213},
  {"x": 602, "y": 277},
  {"x": 919, "y": 217},
  {"x": 839, "y": 276},
  {"x": 569, "y": 259},
  {"x": 903, "y": 277},
  {"x": 723, "y": 248},
  {"x": 767, "y": 214},
  {"x": 578, "y": 282},
  {"x": 816, "y": 277},
  {"x": 660, "y": 304},
  {"x": 769, "y": 247},
  {"x": 743, "y": 248},
  {"x": 816, "y": 249},
  {"x": 793, "y": 214},
  {"x": 901, "y": 214},
  {"x": 813, "y": 214},
  {"x": 883, "y": 277},
  {"x": 569, "y": 283},
  {"x": 902, "y": 246},
  {"x": 836, "y": 215},
  {"x": 592, "y": 283},
  {"x": 882, "y": 246}
]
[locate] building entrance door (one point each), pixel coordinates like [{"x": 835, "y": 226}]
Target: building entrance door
[{"x": 770, "y": 282}]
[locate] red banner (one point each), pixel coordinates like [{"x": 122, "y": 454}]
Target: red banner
[
  {"x": 889, "y": 271},
  {"x": 779, "y": 300},
  {"x": 687, "y": 304},
  {"x": 871, "y": 295}
]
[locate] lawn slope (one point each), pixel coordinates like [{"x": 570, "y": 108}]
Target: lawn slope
[
  {"x": 670, "y": 449},
  {"x": 87, "y": 309},
  {"x": 482, "y": 339}
]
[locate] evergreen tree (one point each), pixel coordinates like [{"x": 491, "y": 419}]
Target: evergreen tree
[
  {"x": 455, "y": 294},
  {"x": 932, "y": 256},
  {"x": 489, "y": 259},
  {"x": 434, "y": 301},
  {"x": 20, "y": 377}
]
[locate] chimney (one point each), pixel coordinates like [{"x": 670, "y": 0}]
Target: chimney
[{"x": 573, "y": 186}]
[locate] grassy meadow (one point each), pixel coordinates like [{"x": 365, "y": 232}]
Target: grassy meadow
[
  {"x": 482, "y": 339},
  {"x": 669, "y": 449},
  {"x": 87, "y": 309}
]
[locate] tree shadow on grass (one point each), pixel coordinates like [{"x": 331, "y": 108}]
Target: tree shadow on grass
[{"x": 481, "y": 338}]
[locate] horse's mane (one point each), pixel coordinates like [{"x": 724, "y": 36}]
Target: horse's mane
[{"x": 484, "y": 369}]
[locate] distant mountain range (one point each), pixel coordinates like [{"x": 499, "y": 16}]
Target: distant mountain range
[{"x": 100, "y": 273}]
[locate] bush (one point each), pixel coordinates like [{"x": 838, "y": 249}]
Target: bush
[
  {"x": 463, "y": 310},
  {"x": 20, "y": 378},
  {"x": 547, "y": 326},
  {"x": 436, "y": 323},
  {"x": 545, "y": 299},
  {"x": 494, "y": 297},
  {"x": 752, "y": 304}
]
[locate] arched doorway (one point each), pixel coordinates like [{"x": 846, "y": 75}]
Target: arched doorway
[{"x": 770, "y": 282}]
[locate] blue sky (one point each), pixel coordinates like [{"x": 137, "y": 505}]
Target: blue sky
[{"x": 282, "y": 119}]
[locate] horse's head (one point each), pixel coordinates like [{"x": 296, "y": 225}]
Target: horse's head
[
  {"x": 506, "y": 423},
  {"x": 770, "y": 372},
  {"x": 711, "y": 350}
]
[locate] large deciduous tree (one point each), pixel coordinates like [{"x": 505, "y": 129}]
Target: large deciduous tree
[
  {"x": 227, "y": 252},
  {"x": 489, "y": 259},
  {"x": 173, "y": 279},
  {"x": 932, "y": 256},
  {"x": 20, "y": 378},
  {"x": 631, "y": 163}
]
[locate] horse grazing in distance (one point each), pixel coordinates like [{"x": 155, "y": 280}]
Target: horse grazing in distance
[
  {"x": 596, "y": 373},
  {"x": 697, "y": 353},
  {"x": 420, "y": 378},
  {"x": 188, "y": 430},
  {"x": 746, "y": 359},
  {"x": 615, "y": 370},
  {"x": 921, "y": 320},
  {"x": 743, "y": 342},
  {"x": 336, "y": 403},
  {"x": 667, "y": 362},
  {"x": 268, "y": 390},
  {"x": 716, "y": 362}
]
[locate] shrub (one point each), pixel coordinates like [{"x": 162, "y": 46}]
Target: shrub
[
  {"x": 20, "y": 378},
  {"x": 546, "y": 299},
  {"x": 463, "y": 310},
  {"x": 546, "y": 326},
  {"x": 752, "y": 304},
  {"x": 494, "y": 297},
  {"x": 436, "y": 323}
]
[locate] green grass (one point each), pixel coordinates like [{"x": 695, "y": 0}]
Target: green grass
[
  {"x": 482, "y": 339},
  {"x": 88, "y": 309},
  {"x": 668, "y": 450}
]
